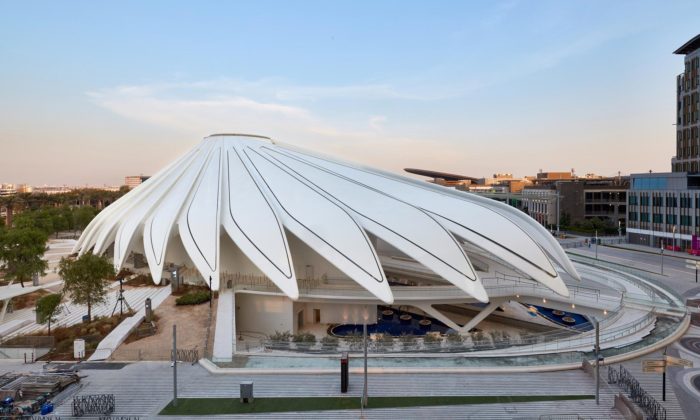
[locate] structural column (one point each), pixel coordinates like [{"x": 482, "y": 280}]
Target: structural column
[
  {"x": 225, "y": 331},
  {"x": 5, "y": 304},
  {"x": 492, "y": 306}
]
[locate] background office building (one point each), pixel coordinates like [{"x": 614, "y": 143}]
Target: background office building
[
  {"x": 663, "y": 207},
  {"x": 577, "y": 199}
]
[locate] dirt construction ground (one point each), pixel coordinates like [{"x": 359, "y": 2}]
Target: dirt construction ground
[{"x": 192, "y": 323}]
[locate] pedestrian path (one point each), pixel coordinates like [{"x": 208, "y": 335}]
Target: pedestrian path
[
  {"x": 144, "y": 388},
  {"x": 652, "y": 383},
  {"x": 115, "y": 338},
  {"x": 73, "y": 314}
]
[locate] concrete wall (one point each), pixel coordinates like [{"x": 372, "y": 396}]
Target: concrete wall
[
  {"x": 263, "y": 314},
  {"x": 336, "y": 313}
]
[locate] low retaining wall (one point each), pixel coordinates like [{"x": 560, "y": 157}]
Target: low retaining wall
[
  {"x": 20, "y": 353},
  {"x": 627, "y": 408}
]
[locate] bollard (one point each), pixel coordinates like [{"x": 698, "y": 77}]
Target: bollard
[{"x": 344, "y": 373}]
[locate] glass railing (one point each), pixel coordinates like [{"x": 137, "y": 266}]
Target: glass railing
[
  {"x": 554, "y": 341},
  {"x": 653, "y": 296},
  {"x": 657, "y": 294}
]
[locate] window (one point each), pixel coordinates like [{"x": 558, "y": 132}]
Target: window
[
  {"x": 686, "y": 220},
  {"x": 650, "y": 183},
  {"x": 658, "y": 218},
  {"x": 686, "y": 202}
]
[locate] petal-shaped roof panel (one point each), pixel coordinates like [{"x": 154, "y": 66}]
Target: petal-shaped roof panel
[
  {"x": 200, "y": 220},
  {"x": 474, "y": 222},
  {"x": 403, "y": 225},
  {"x": 133, "y": 219},
  {"x": 249, "y": 218},
  {"x": 259, "y": 192},
  {"x": 158, "y": 225},
  {"x": 324, "y": 225}
]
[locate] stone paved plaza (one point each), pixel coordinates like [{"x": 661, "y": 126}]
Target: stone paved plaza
[{"x": 144, "y": 388}]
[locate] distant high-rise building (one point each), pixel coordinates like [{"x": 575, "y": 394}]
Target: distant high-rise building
[
  {"x": 687, "y": 157},
  {"x": 134, "y": 181}
]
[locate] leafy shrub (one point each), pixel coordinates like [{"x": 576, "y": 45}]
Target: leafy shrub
[
  {"x": 280, "y": 336},
  {"x": 193, "y": 298},
  {"x": 500, "y": 336},
  {"x": 354, "y": 340},
  {"x": 454, "y": 338},
  {"x": 385, "y": 339},
  {"x": 407, "y": 339},
  {"x": 329, "y": 341},
  {"x": 304, "y": 337},
  {"x": 432, "y": 338}
]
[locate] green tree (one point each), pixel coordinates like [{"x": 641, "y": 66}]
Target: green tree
[
  {"x": 68, "y": 215},
  {"x": 48, "y": 308},
  {"x": 565, "y": 220},
  {"x": 21, "y": 252},
  {"x": 84, "y": 279},
  {"x": 60, "y": 223},
  {"x": 83, "y": 216},
  {"x": 36, "y": 219}
]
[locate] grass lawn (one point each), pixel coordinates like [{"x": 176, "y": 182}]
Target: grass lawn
[{"x": 212, "y": 406}]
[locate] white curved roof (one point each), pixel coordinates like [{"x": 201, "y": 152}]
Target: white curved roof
[{"x": 256, "y": 189}]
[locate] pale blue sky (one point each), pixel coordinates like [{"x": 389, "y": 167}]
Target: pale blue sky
[{"x": 92, "y": 91}]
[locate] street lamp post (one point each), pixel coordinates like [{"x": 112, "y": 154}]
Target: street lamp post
[
  {"x": 174, "y": 358},
  {"x": 558, "y": 210},
  {"x": 596, "y": 350},
  {"x": 619, "y": 229},
  {"x": 364, "y": 339},
  {"x": 596, "y": 244},
  {"x": 673, "y": 243}
]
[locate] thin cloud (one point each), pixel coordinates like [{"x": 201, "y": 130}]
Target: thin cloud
[
  {"x": 377, "y": 122},
  {"x": 193, "y": 108}
]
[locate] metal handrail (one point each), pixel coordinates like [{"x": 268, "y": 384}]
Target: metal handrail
[{"x": 639, "y": 278}]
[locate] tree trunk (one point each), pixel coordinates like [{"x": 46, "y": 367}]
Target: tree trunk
[
  {"x": 89, "y": 312},
  {"x": 49, "y": 326}
]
